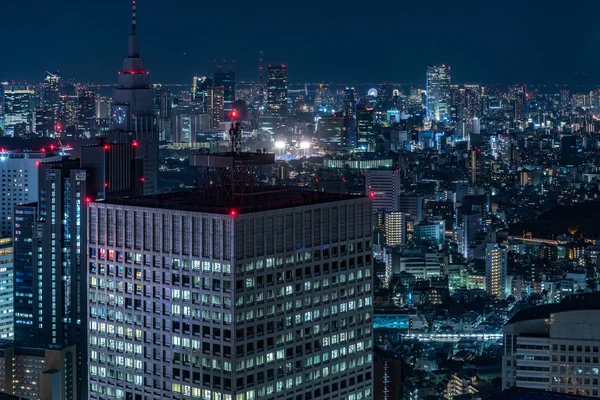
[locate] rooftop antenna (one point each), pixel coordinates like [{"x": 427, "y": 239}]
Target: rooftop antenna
[
  {"x": 133, "y": 17},
  {"x": 261, "y": 69}
]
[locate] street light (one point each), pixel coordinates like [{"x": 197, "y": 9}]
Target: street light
[
  {"x": 280, "y": 145},
  {"x": 305, "y": 145}
]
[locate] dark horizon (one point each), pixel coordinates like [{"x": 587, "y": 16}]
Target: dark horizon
[{"x": 502, "y": 44}]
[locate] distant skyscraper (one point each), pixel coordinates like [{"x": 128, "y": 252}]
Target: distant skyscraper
[
  {"x": 215, "y": 105},
  {"x": 196, "y": 298},
  {"x": 133, "y": 112},
  {"x": 384, "y": 187},
  {"x": 476, "y": 165},
  {"x": 334, "y": 131},
  {"x": 17, "y": 99},
  {"x": 438, "y": 91},
  {"x": 565, "y": 98},
  {"x": 364, "y": 128},
  {"x": 277, "y": 86},
  {"x": 496, "y": 270},
  {"x": 226, "y": 80},
  {"x": 86, "y": 112},
  {"x": 519, "y": 98},
  {"x": 51, "y": 91},
  {"x": 162, "y": 111}
]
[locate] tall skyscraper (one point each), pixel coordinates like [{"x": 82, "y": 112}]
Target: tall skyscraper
[
  {"x": 438, "y": 92},
  {"x": 277, "y": 86},
  {"x": 133, "y": 111},
  {"x": 51, "y": 91},
  {"x": 50, "y": 260},
  {"x": 190, "y": 297},
  {"x": 214, "y": 105},
  {"x": 226, "y": 80}
]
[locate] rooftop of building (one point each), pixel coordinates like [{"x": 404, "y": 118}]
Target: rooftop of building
[
  {"x": 259, "y": 201},
  {"x": 575, "y": 302},
  {"x": 516, "y": 393}
]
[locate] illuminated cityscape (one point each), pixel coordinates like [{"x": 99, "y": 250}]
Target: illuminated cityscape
[{"x": 273, "y": 213}]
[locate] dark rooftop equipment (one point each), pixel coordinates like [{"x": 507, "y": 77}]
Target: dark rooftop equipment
[{"x": 233, "y": 176}]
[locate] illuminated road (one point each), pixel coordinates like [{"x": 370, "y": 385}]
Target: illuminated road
[{"x": 451, "y": 337}]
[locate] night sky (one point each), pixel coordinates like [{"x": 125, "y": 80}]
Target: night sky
[{"x": 508, "y": 41}]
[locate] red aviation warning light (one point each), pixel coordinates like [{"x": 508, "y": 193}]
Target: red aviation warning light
[
  {"x": 142, "y": 179},
  {"x": 88, "y": 199},
  {"x": 372, "y": 195},
  {"x": 234, "y": 114},
  {"x": 106, "y": 147},
  {"x": 233, "y": 213},
  {"x": 135, "y": 143}
]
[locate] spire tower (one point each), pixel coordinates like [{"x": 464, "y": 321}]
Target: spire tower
[{"x": 133, "y": 17}]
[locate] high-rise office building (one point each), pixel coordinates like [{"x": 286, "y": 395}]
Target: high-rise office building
[
  {"x": 364, "y": 129},
  {"x": 383, "y": 185},
  {"x": 133, "y": 111},
  {"x": 214, "y": 106},
  {"x": 227, "y": 81},
  {"x": 194, "y": 298},
  {"x": 51, "y": 91},
  {"x": 19, "y": 170},
  {"x": 277, "y": 86},
  {"x": 162, "y": 111},
  {"x": 334, "y": 131},
  {"x": 476, "y": 165},
  {"x": 496, "y": 259},
  {"x": 16, "y": 108},
  {"x": 201, "y": 93},
  {"x": 115, "y": 169},
  {"x": 50, "y": 260},
  {"x": 86, "y": 112},
  {"x": 438, "y": 92}
]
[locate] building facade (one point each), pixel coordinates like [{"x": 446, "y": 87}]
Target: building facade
[
  {"x": 555, "y": 347},
  {"x": 277, "y": 86},
  {"x": 191, "y": 301},
  {"x": 438, "y": 92},
  {"x": 133, "y": 112},
  {"x": 385, "y": 185},
  {"x": 38, "y": 373},
  {"x": 496, "y": 260}
]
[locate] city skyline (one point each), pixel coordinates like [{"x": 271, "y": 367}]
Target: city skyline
[{"x": 303, "y": 36}]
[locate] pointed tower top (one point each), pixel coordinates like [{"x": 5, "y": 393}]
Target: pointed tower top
[{"x": 133, "y": 15}]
